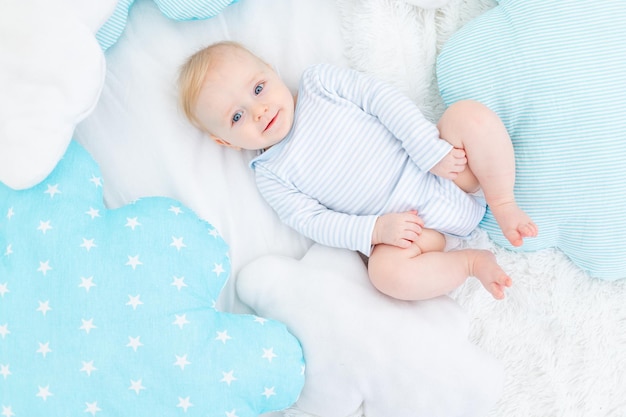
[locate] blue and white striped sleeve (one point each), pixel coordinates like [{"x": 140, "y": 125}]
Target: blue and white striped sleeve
[
  {"x": 419, "y": 137},
  {"x": 315, "y": 221}
]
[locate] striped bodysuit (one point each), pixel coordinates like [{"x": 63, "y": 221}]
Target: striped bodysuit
[{"x": 358, "y": 149}]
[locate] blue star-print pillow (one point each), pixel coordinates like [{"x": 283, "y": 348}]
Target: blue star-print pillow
[
  {"x": 555, "y": 72},
  {"x": 174, "y": 9},
  {"x": 111, "y": 312}
]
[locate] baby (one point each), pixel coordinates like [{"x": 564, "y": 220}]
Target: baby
[{"x": 351, "y": 162}]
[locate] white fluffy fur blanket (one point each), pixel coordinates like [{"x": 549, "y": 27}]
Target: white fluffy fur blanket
[{"x": 561, "y": 334}]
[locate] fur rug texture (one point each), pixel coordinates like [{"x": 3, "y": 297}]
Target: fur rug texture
[{"x": 560, "y": 333}]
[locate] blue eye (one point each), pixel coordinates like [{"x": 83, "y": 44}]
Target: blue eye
[
  {"x": 258, "y": 89},
  {"x": 237, "y": 117}
]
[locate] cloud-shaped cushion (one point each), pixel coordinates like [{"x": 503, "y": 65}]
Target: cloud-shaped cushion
[
  {"x": 111, "y": 312},
  {"x": 174, "y": 9},
  {"x": 52, "y": 72},
  {"x": 395, "y": 358},
  {"x": 555, "y": 72}
]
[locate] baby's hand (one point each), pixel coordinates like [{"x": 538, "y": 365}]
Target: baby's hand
[
  {"x": 451, "y": 164},
  {"x": 397, "y": 229}
]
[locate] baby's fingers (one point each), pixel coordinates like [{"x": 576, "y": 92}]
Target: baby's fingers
[
  {"x": 404, "y": 244},
  {"x": 458, "y": 153},
  {"x": 413, "y": 231},
  {"x": 415, "y": 218}
]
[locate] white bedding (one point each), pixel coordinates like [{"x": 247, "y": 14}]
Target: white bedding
[
  {"x": 560, "y": 335},
  {"x": 144, "y": 145}
]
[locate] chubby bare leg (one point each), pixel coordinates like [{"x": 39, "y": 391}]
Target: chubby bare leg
[
  {"x": 479, "y": 131},
  {"x": 424, "y": 271}
]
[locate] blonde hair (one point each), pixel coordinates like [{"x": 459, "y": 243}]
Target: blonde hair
[{"x": 193, "y": 72}]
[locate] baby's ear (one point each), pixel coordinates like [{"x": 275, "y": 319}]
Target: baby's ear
[{"x": 223, "y": 142}]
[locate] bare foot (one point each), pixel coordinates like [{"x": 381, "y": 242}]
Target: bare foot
[
  {"x": 514, "y": 222},
  {"x": 490, "y": 274}
]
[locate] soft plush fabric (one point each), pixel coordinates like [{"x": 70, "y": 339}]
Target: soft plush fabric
[
  {"x": 427, "y": 4},
  {"x": 111, "y": 312},
  {"x": 51, "y": 74},
  {"x": 396, "y": 358},
  {"x": 555, "y": 72},
  {"x": 174, "y": 9}
]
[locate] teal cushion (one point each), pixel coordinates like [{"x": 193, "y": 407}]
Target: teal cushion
[
  {"x": 111, "y": 312},
  {"x": 174, "y": 9},
  {"x": 555, "y": 72}
]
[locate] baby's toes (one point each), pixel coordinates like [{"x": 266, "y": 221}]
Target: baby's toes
[
  {"x": 528, "y": 230},
  {"x": 496, "y": 291},
  {"x": 514, "y": 237}
]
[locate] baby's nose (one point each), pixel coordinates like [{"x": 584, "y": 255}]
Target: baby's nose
[{"x": 260, "y": 110}]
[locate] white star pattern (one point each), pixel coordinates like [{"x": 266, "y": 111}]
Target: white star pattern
[
  {"x": 181, "y": 361},
  {"x": 213, "y": 232},
  {"x": 4, "y": 288},
  {"x": 88, "y": 368},
  {"x": 177, "y": 242},
  {"x": 4, "y": 330},
  {"x": 93, "y": 213},
  {"x": 134, "y": 301},
  {"x": 132, "y": 222},
  {"x": 269, "y": 354},
  {"x": 7, "y": 411},
  {"x": 260, "y": 320},
  {"x": 232, "y": 413},
  {"x": 87, "y": 325},
  {"x": 88, "y": 244},
  {"x": 44, "y": 267},
  {"x": 133, "y": 261},
  {"x": 44, "y": 349},
  {"x": 52, "y": 190},
  {"x": 97, "y": 181},
  {"x": 44, "y": 226},
  {"x": 10, "y": 213},
  {"x": 184, "y": 403},
  {"x": 133, "y": 342},
  {"x": 92, "y": 408},
  {"x": 136, "y": 386},
  {"x": 176, "y": 210},
  {"x": 181, "y": 320},
  {"x": 228, "y": 377},
  {"x": 223, "y": 336},
  {"x": 86, "y": 283},
  {"x": 179, "y": 282},
  {"x": 44, "y": 307},
  {"x": 4, "y": 371},
  {"x": 268, "y": 392},
  {"x": 44, "y": 392},
  {"x": 9, "y": 250},
  {"x": 219, "y": 269}
]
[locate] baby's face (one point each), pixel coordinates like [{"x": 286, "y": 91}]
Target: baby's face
[{"x": 244, "y": 104}]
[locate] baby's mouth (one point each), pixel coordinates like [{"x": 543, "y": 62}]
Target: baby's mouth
[{"x": 271, "y": 123}]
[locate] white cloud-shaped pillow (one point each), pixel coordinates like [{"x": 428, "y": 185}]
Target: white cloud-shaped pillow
[
  {"x": 393, "y": 358},
  {"x": 51, "y": 73},
  {"x": 52, "y": 70}
]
